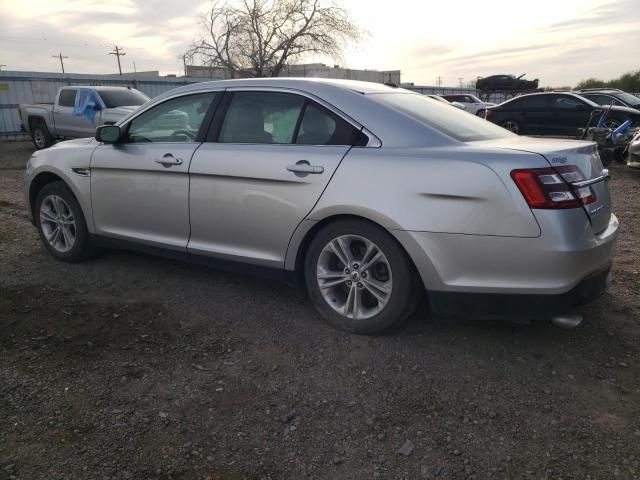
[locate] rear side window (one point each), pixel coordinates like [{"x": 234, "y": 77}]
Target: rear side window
[
  {"x": 284, "y": 118},
  {"x": 319, "y": 126},
  {"x": 566, "y": 103},
  {"x": 261, "y": 117},
  {"x": 67, "y": 97}
]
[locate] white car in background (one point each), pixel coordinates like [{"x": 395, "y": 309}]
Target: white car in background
[
  {"x": 472, "y": 104},
  {"x": 440, "y": 99}
]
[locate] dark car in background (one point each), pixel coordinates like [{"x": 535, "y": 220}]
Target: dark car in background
[
  {"x": 506, "y": 83},
  {"x": 554, "y": 113},
  {"x": 610, "y": 96}
]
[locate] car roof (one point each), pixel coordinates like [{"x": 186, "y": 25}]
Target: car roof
[
  {"x": 97, "y": 87},
  {"x": 303, "y": 83}
]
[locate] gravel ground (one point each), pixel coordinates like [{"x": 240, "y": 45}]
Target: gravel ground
[{"x": 136, "y": 367}]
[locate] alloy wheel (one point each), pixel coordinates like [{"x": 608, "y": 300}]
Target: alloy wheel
[
  {"x": 39, "y": 138},
  {"x": 354, "y": 276},
  {"x": 58, "y": 223}
]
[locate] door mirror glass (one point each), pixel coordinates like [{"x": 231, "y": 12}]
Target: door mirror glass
[{"x": 108, "y": 133}]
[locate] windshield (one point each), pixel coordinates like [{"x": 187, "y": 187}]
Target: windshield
[
  {"x": 122, "y": 98},
  {"x": 628, "y": 98},
  {"x": 453, "y": 122}
]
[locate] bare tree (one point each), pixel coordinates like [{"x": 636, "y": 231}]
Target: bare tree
[{"x": 259, "y": 37}]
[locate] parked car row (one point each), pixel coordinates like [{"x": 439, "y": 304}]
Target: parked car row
[{"x": 555, "y": 113}]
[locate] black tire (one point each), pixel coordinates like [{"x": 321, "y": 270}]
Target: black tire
[
  {"x": 81, "y": 247},
  {"x": 405, "y": 292},
  {"x": 480, "y": 113},
  {"x": 512, "y": 126},
  {"x": 40, "y": 135}
]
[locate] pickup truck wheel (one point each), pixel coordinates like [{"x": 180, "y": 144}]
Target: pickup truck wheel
[{"x": 41, "y": 136}]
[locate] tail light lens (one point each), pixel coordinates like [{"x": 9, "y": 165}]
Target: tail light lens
[
  {"x": 549, "y": 187},
  {"x": 487, "y": 114}
]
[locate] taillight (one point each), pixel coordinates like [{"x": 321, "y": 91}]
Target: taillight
[
  {"x": 487, "y": 114},
  {"x": 549, "y": 187}
]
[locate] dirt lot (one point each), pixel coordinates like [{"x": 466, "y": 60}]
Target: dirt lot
[{"x": 135, "y": 367}]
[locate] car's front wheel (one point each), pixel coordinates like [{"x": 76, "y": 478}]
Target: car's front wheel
[
  {"x": 359, "y": 277},
  {"x": 61, "y": 224}
]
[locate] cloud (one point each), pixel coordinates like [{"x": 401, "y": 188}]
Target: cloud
[{"x": 614, "y": 13}]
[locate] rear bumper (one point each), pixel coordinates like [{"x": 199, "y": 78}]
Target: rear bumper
[
  {"x": 566, "y": 265},
  {"x": 530, "y": 307}
]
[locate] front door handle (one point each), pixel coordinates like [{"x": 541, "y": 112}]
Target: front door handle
[
  {"x": 169, "y": 160},
  {"x": 304, "y": 168}
]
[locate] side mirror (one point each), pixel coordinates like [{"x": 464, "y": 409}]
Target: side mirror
[
  {"x": 97, "y": 107},
  {"x": 108, "y": 133}
]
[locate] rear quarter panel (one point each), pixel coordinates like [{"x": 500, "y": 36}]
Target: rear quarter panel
[{"x": 458, "y": 189}]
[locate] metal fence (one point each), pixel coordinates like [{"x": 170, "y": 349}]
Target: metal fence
[{"x": 39, "y": 87}]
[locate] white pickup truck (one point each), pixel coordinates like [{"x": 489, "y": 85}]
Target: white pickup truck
[{"x": 67, "y": 118}]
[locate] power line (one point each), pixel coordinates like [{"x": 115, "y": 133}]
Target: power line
[
  {"x": 61, "y": 62},
  {"x": 118, "y": 53}
]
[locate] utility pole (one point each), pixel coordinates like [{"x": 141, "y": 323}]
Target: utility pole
[
  {"x": 118, "y": 53},
  {"x": 61, "y": 62},
  {"x": 460, "y": 81},
  {"x": 135, "y": 70},
  {"x": 184, "y": 64},
  {"x": 439, "y": 81}
]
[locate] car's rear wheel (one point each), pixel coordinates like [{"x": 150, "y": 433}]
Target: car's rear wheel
[
  {"x": 61, "y": 224},
  {"x": 359, "y": 277},
  {"x": 511, "y": 125},
  {"x": 41, "y": 136}
]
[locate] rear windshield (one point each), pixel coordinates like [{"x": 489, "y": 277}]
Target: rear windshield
[
  {"x": 451, "y": 121},
  {"x": 628, "y": 98},
  {"x": 122, "y": 98}
]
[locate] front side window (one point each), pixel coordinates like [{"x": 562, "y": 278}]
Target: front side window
[
  {"x": 176, "y": 120},
  {"x": 67, "y": 97},
  {"x": 261, "y": 117},
  {"x": 453, "y": 122}
]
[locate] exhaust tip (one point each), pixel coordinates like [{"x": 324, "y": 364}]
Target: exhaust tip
[{"x": 567, "y": 321}]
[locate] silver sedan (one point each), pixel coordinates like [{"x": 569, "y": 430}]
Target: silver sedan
[{"x": 369, "y": 196}]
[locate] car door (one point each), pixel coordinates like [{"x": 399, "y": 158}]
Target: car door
[
  {"x": 271, "y": 154},
  {"x": 569, "y": 113},
  {"x": 63, "y": 112},
  {"x": 140, "y": 185}
]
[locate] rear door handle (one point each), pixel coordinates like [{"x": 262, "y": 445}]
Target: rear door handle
[
  {"x": 168, "y": 160},
  {"x": 304, "y": 168}
]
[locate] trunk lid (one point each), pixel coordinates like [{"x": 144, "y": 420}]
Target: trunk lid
[{"x": 584, "y": 156}]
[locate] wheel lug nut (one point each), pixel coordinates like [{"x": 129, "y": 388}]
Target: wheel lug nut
[
  {"x": 360, "y": 285},
  {"x": 356, "y": 266},
  {"x": 364, "y": 275},
  {"x": 346, "y": 271},
  {"x": 349, "y": 282}
]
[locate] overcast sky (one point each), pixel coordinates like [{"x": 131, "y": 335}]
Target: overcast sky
[{"x": 558, "y": 41}]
